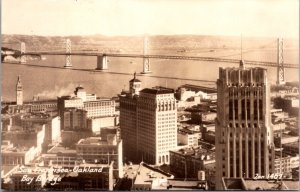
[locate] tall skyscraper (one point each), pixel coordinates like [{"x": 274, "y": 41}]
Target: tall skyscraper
[
  {"x": 128, "y": 119},
  {"x": 244, "y": 139},
  {"x": 19, "y": 92},
  {"x": 148, "y": 122},
  {"x": 156, "y": 125}
]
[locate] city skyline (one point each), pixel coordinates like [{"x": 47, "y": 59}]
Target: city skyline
[
  {"x": 135, "y": 95},
  {"x": 276, "y": 18}
]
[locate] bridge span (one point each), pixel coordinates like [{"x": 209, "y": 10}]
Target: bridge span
[
  {"x": 102, "y": 61},
  {"x": 196, "y": 58}
]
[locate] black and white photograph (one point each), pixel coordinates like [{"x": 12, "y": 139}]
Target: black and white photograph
[{"x": 142, "y": 95}]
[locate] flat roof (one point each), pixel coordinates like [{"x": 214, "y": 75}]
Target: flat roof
[
  {"x": 199, "y": 153},
  {"x": 93, "y": 141},
  {"x": 263, "y": 184},
  {"x": 146, "y": 174},
  {"x": 60, "y": 149},
  {"x": 14, "y": 150},
  {"x": 158, "y": 90},
  {"x": 181, "y": 183},
  {"x": 200, "y": 88},
  {"x": 293, "y": 144}
]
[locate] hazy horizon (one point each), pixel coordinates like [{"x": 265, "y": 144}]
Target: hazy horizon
[
  {"x": 252, "y": 18},
  {"x": 152, "y": 35}
]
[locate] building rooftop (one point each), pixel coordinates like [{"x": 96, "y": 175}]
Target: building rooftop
[
  {"x": 15, "y": 150},
  {"x": 37, "y": 116},
  {"x": 158, "y": 90},
  {"x": 134, "y": 80},
  {"x": 146, "y": 174},
  {"x": 293, "y": 144},
  {"x": 200, "y": 88},
  {"x": 197, "y": 153},
  {"x": 187, "y": 131},
  {"x": 97, "y": 141},
  {"x": 184, "y": 185},
  {"x": 61, "y": 149},
  {"x": 251, "y": 184},
  {"x": 261, "y": 184},
  {"x": 233, "y": 184}
]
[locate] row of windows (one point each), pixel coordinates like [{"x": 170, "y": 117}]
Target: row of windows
[
  {"x": 167, "y": 118},
  {"x": 167, "y": 125}
]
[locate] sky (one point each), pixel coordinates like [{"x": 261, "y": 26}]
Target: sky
[{"x": 259, "y": 18}]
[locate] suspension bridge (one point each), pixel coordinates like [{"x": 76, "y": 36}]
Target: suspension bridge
[{"x": 102, "y": 58}]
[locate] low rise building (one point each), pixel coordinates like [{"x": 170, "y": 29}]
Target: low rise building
[
  {"x": 52, "y": 125},
  {"x": 70, "y": 138},
  {"x": 231, "y": 184},
  {"x": 95, "y": 107},
  {"x": 150, "y": 178},
  {"x": 282, "y": 164},
  {"x": 97, "y": 123},
  {"x": 188, "y": 137},
  {"x": 291, "y": 148},
  {"x": 59, "y": 156},
  {"x": 102, "y": 150},
  {"x": 287, "y": 104},
  {"x": 29, "y": 138},
  {"x": 284, "y": 139},
  {"x": 43, "y": 106},
  {"x": 186, "y": 163}
]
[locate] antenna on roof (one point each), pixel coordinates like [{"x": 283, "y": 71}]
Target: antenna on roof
[
  {"x": 241, "y": 46},
  {"x": 241, "y": 61}
]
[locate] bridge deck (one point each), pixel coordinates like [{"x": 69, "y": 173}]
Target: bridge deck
[{"x": 215, "y": 59}]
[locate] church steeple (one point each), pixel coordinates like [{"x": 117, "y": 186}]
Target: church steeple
[{"x": 19, "y": 92}]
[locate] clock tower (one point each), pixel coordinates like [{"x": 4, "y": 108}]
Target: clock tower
[{"x": 19, "y": 92}]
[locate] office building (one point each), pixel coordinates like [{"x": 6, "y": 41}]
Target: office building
[
  {"x": 128, "y": 120},
  {"x": 244, "y": 139},
  {"x": 156, "y": 125},
  {"x": 148, "y": 122},
  {"x": 73, "y": 119},
  {"x": 95, "y": 107},
  {"x": 52, "y": 125}
]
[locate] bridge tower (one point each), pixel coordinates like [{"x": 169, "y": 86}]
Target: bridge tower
[
  {"x": 22, "y": 50},
  {"x": 102, "y": 62},
  {"x": 68, "y": 63},
  {"x": 280, "y": 67},
  {"x": 146, "y": 61}
]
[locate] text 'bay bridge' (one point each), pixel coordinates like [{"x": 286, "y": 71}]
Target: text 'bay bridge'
[{"x": 102, "y": 58}]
